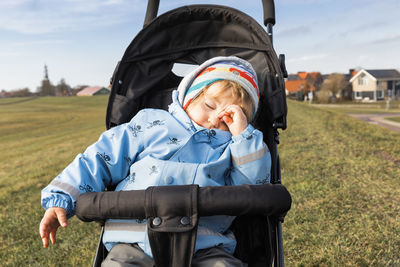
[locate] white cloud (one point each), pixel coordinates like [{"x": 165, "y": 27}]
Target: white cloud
[
  {"x": 9, "y": 54},
  {"x": 307, "y": 58},
  {"x": 387, "y": 39},
  {"x": 113, "y": 2},
  {"x": 40, "y": 43},
  {"x": 12, "y": 3},
  {"x": 47, "y": 16},
  {"x": 293, "y": 31}
]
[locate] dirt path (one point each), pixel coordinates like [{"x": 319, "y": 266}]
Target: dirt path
[{"x": 379, "y": 119}]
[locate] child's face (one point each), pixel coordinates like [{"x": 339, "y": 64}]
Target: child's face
[{"x": 205, "y": 110}]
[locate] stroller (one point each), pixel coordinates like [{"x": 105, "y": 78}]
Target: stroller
[{"x": 144, "y": 79}]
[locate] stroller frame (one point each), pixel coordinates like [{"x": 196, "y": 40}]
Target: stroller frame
[{"x": 261, "y": 207}]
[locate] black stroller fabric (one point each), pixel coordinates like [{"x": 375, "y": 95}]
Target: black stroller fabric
[
  {"x": 191, "y": 35},
  {"x": 144, "y": 79},
  {"x": 172, "y": 214}
]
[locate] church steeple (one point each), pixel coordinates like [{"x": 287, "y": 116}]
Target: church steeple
[{"x": 46, "y": 73}]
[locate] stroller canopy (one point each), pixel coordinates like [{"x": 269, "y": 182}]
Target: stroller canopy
[{"x": 191, "y": 35}]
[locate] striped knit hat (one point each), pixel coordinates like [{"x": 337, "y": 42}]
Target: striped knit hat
[{"x": 217, "y": 69}]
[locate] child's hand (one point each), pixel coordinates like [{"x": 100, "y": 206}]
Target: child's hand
[
  {"x": 52, "y": 219},
  {"x": 234, "y": 118}
]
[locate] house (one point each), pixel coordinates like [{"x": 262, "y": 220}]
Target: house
[
  {"x": 95, "y": 90},
  {"x": 300, "y": 84},
  {"x": 376, "y": 85}
]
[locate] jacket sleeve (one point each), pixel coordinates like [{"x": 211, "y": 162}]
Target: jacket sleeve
[
  {"x": 104, "y": 163},
  {"x": 251, "y": 159}
]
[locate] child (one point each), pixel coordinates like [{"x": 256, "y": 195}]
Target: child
[{"x": 204, "y": 139}]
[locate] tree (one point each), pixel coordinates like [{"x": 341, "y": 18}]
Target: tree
[
  {"x": 63, "y": 89},
  {"x": 334, "y": 85},
  {"x": 21, "y": 92},
  {"x": 313, "y": 81}
]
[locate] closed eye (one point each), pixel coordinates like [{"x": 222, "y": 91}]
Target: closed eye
[{"x": 209, "y": 105}]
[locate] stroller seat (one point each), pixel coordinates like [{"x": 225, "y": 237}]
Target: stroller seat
[{"x": 144, "y": 79}]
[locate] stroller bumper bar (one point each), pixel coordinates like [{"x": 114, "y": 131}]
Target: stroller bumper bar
[
  {"x": 172, "y": 212},
  {"x": 268, "y": 200}
]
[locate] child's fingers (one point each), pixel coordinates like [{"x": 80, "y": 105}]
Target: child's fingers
[
  {"x": 234, "y": 112},
  {"x": 52, "y": 237},
  {"x": 227, "y": 119},
  {"x": 45, "y": 241},
  {"x": 231, "y": 110},
  {"x": 62, "y": 217},
  {"x": 225, "y": 112},
  {"x": 44, "y": 233},
  {"x": 52, "y": 219}
]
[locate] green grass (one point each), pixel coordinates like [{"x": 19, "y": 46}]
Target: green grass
[
  {"x": 359, "y": 109},
  {"x": 39, "y": 137},
  {"x": 395, "y": 119},
  {"x": 379, "y": 107},
  {"x": 343, "y": 175}
]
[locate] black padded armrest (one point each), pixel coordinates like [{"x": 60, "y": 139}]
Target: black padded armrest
[{"x": 268, "y": 200}]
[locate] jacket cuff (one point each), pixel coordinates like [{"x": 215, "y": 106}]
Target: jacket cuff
[
  {"x": 58, "y": 202},
  {"x": 246, "y": 134}
]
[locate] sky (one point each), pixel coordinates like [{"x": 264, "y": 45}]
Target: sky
[{"x": 81, "y": 41}]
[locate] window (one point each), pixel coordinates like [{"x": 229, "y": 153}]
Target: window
[
  {"x": 390, "y": 84},
  {"x": 362, "y": 80},
  {"x": 357, "y": 95},
  {"x": 379, "y": 94},
  {"x": 397, "y": 85}
]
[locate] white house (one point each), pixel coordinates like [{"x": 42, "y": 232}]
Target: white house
[{"x": 376, "y": 84}]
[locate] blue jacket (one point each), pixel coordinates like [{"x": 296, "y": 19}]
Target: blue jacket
[{"x": 162, "y": 148}]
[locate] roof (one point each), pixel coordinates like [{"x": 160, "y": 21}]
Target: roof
[
  {"x": 91, "y": 90},
  {"x": 302, "y": 75},
  {"x": 384, "y": 74},
  {"x": 296, "y": 82},
  {"x": 294, "y": 85},
  {"x": 379, "y": 74},
  {"x": 292, "y": 77}
]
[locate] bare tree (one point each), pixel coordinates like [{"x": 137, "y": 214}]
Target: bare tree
[
  {"x": 313, "y": 83},
  {"x": 63, "y": 89},
  {"x": 23, "y": 92},
  {"x": 334, "y": 85}
]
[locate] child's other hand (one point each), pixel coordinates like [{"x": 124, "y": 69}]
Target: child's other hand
[
  {"x": 52, "y": 219},
  {"x": 234, "y": 118}
]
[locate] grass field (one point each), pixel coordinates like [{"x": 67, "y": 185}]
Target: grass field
[
  {"x": 343, "y": 174},
  {"x": 395, "y": 119},
  {"x": 363, "y": 108}
]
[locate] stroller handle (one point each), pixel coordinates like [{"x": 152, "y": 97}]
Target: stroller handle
[
  {"x": 268, "y": 8},
  {"x": 151, "y": 12},
  {"x": 269, "y": 12},
  {"x": 268, "y": 199}
]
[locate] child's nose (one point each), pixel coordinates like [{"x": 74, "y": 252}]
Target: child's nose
[{"x": 214, "y": 121}]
